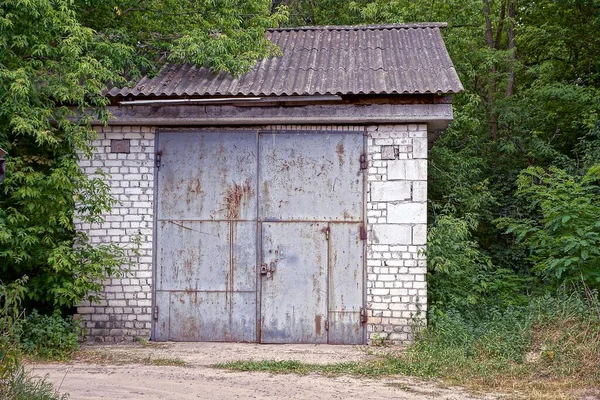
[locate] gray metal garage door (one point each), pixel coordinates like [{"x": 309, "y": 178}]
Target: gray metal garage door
[{"x": 259, "y": 237}]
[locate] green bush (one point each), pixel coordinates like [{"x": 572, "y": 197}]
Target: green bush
[
  {"x": 557, "y": 337},
  {"x": 15, "y": 382},
  {"x": 462, "y": 276},
  {"x": 48, "y": 336},
  {"x": 562, "y": 235},
  {"x": 21, "y": 385}
]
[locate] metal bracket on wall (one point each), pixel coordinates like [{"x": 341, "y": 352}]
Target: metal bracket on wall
[
  {"x": 363, "y": 162},
  {"x": 157, "y": 159},
  {"x": 363, "y": 232},
  {"x": 155, "y": 313},
  {"x": 363, "y": 316}
]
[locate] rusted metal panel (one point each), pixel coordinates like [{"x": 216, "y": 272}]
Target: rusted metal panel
[
  {"x": 206, "y": 256},
  {"x": 212, "y": 316},
  {"x": 206, "y": 237},
  {"x": 303, "y": 191},
  {"x": 294, "y": 296},
  {"x": 207, "y": 175},
  {"x": 162, "y": 321},
  {"x": 310, "y": 176},
  {"x": 346, "y": 261}
]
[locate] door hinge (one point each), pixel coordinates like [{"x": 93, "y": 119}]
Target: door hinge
[
  {"x": 363, "y": 162},
  {"x": 363, "y": 316},
  {"x": 156, "y": 313},
  {"x": 157, "y": 159},
  {"x": 326, "y": 324},
  {"x": 363, "y": 232}
]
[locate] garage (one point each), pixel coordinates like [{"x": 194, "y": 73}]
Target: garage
[
  {"x": 285, "y": 205},
  {"x": 259, "y": 236}
]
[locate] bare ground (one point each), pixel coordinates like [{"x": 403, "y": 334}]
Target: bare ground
[{"x": 143, "y": 372}]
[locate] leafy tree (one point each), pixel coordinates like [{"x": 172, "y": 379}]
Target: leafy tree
[
  {"x": 562, "y": 231},
  {"x": 531, "y": 100},
  {"x": 226, "y": 35},
  {"x": 56, "y": 58}
]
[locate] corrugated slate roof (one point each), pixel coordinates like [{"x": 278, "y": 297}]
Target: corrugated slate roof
[{"x": 338, "y": 60}]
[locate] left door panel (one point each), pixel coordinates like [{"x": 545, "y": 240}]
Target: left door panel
[{"x": 206, "y": 235}]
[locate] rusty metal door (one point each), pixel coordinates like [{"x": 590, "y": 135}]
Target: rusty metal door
[
  {"x": 206, "y": 235},
  {"x": 259, "y": 237},
  {"x": 310, "y": 212}
]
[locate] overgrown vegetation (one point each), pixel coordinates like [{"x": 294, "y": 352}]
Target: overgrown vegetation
[
  {"x": 16, "y": 383},
  {"x": 547, "y": 349},
  {"x": 48, "y": 336},
  {"x": 513, "y": 191},
  {"x": 56, "y": 58},
  {"x": 513, "y": 188}
]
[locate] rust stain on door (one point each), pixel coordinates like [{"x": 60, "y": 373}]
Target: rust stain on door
[{"x": 236, "y": 197}]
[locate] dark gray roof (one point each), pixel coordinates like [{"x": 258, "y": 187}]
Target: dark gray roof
[{"x": 371, "y": 59}]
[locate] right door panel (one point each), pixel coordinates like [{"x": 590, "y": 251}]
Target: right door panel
[
  {"x": 294, "y": 290},
  {"x": 345, "y": 283}
]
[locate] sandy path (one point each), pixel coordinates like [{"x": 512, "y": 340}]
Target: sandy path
[{"x": 85, "y": 379}]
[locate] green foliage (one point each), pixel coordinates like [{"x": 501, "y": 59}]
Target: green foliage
[
  {"x": 49, "y": 336},
  {"x": 15, "y": 382},
  {"x": 56, "y": 58},
  {"x": 564, "y": 240},
  {"x": 22, "y": 385},
  {"x": 11, "y": 295},
  {"x": 49, "y": 61},
  {"x": 462, "y": 277},
  {"x": 223, "y": 35},
  {"x": 552, "y": 339}
]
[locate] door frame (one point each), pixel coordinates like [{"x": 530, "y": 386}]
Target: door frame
[{"x": 259, "y": 256}]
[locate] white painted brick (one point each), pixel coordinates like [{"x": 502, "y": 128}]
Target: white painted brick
[
  {"x": 392, "y": 234},
  {"x": 390, "y": 191},
  {"x": 419, "y": 191},
  {"x": 407, "y": 213},
  {"x": 419, "y": 148},
  {"x": 414, "y": 170},
  {"x": 418, "y": 134},
  {"x": 420, "y": 235}
]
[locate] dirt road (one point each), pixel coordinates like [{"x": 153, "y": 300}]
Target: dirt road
[{"x": 127, "y": 372}]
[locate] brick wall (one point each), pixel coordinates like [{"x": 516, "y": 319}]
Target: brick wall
[
  {"x": 397, "y": 230},
  {"x": 396, "y": 224},
  {"x": 125, "y": 310}
]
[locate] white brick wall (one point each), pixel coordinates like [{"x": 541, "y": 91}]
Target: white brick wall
[
  {"x": 125, "y": 310},
  {"x": 397, "y": 230},
  {"x": 396, "y": 225}
]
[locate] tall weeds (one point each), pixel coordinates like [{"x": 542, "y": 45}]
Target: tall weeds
[
  {"x": 16, "y": 383},
  {"x": 552, "y": 343}
]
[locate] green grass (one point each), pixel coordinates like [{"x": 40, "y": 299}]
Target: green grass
[
  {"x": 173, "y": 362},
  {"x": 548, "y": 350},
  {"x": 125, "y": 357},
  {"x": 21, "y": 385}
]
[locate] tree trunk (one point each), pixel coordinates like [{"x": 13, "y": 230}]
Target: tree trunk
[
  {"x": 510, "y": 85},
  {"x": 489, "y": 38},
  {"x": 500, "y": 25}
]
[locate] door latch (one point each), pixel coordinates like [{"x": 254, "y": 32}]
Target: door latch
[
  {"x": 268, "y": 269},
  {"x": 326, "y": 231}
]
